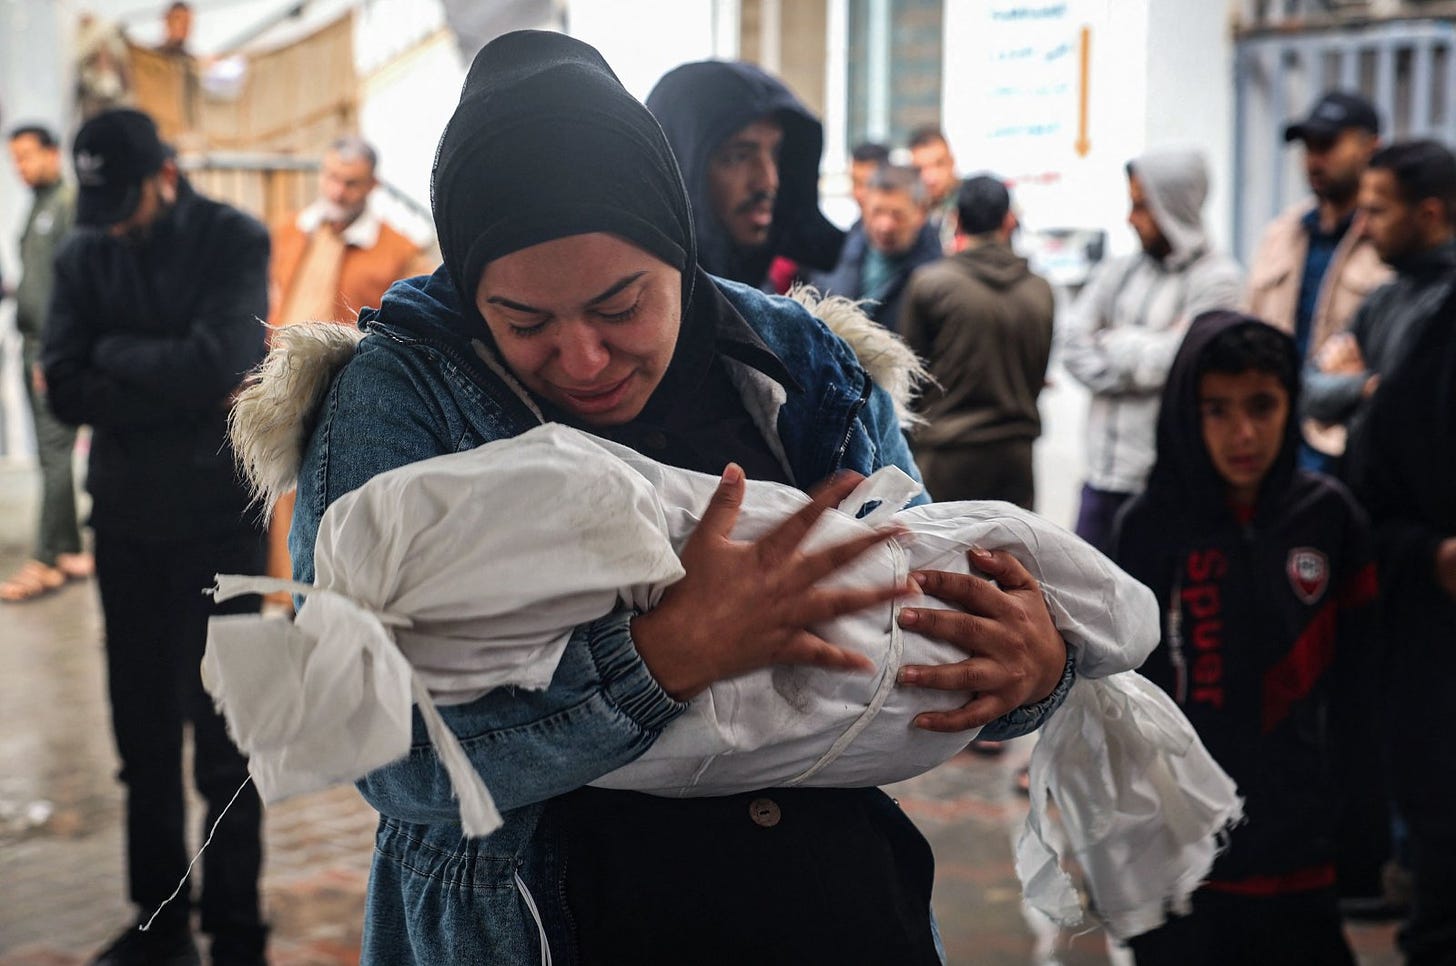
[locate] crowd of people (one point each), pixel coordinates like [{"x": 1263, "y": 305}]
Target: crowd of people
[{"x": 1272, "y": 453}]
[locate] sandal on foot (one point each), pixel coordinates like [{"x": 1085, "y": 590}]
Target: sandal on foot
[{"x": 34, "y": 579}]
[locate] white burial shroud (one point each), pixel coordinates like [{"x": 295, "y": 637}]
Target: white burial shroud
[{"x": 443, "y": 579}]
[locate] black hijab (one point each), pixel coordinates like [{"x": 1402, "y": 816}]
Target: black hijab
[{"x": 547, "y": 143}]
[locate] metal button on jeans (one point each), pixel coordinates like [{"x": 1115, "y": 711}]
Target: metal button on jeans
[{"x": 765, "y": 812}]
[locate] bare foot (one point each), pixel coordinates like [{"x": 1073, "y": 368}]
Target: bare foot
[
  {"x": 34, "y": 579},
  {"x": 76, "y": 566}
]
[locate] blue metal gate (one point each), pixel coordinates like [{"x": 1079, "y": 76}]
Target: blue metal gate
[{"x": 1406, "y": 68}]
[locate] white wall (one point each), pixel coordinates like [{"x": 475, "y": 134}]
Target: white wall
[
  {"x": 1159, "y": 73},
  {"x": 1190, "y": 95},
  {"x": 410, "y": 77},
  {"x": 644, "y": 39}
]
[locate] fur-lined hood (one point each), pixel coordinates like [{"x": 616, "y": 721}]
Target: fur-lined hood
[{"x": 274, "y": 413}]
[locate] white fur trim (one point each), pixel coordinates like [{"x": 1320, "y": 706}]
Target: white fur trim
[
  {"x": 891, "y": 363},
  {"x": 274, "y": 414}
]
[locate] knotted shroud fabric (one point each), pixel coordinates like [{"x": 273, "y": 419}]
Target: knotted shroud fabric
[{"x": 444, "y": 579}]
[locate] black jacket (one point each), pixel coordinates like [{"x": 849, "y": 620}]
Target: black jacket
[
  {"x": 146, "y": 343},
  {"x": 847, "y": 277},
  {"x": 1384, "y": 326},
  {"x": 1405, "y": 474},
  {"x": 982, "y": 321},
  {"x": 699, "y": 105},
  {"x": 1260, "y": 621}
]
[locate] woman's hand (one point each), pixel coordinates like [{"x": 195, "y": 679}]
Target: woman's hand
[
  {"x": 1017, "y": 657},
  {"x": 743, "y": 606}
]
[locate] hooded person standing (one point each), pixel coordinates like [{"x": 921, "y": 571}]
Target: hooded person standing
[
  {"x": 984, "y": 320},
  {"x": 1124, "y": 328},
  {"x": 1265, "y": 580},
  {"x": 749, "y": 153},
  {"x": 574, "y": 294}
]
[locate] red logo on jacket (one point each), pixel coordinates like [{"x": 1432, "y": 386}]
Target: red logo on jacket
[{"x": 1309, "y": 573}]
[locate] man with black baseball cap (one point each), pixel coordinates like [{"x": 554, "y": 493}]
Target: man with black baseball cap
[
  {"x": 1333, "y": 113},
  {"x": 154, "y": 321},
  {"x": 1313, "y": 266},
  {"x": 116, "y": 155}
]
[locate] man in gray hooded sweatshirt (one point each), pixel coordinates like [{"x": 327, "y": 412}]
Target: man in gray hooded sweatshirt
[{"x": 1125, "y": 327}]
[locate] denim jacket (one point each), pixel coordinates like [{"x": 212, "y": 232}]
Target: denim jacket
[{"x": 419, "y": 386}]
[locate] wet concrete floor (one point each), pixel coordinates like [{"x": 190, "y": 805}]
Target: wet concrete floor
[{"x": 61, "y": 877}]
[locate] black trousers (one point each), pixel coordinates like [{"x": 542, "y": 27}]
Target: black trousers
[
  {"x": 156, "y": 631},
  {"x": 990, "y": 471},
  {"x": 778, "y": 876},
  {"x": 1297, "y": 929},
  {"x": 1424, "y": 767}
]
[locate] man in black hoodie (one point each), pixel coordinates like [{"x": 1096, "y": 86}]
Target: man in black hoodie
[
  {"x": 154, "y": 319},
  {"x": 749, "y": 155},
  {"x": 1264, "y": 578},
  {"x": 1405, "y": 473}
]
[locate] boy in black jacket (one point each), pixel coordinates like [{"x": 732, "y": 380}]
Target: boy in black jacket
[{"x": 1263, "y": 574}]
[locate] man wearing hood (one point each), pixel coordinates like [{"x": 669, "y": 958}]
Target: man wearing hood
[
  {"x": 1265, "y": 577},
  {"x": 1125, "y": 326},
  {"x": 749, "y": 155},
  {"x": 984, "y": 322},
  {"x": 573, "y": 293}
]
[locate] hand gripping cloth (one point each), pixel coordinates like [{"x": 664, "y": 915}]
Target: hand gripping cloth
[{"x": 443, "y": 579}]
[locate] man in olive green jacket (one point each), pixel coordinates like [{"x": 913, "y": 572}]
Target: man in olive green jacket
[
  {"x": 983, "y": 324},
  {"x": 58, "y": 555}
]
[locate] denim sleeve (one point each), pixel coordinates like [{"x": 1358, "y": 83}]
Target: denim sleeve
[
  {"x": 1027, "y": 718},
  {"x": 603, "y": 707},
  {"x": 891, "y": 447}
]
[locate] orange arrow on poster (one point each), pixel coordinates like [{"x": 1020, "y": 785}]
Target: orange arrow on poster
[{"x": 1084, "y": 144}]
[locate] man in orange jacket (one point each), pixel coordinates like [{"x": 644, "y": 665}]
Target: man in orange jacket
[{"x": 330, "y": 260}]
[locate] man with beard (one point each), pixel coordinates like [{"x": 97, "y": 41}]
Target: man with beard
[
  {"x": 1314, "y": 265},
  {"x": 1395, "y": 374},
  {"x": 1126, "y": 325},
  {"x": 336, "y": 256},
  {"x": 329, "y": 261},
  {"x": 749, "y": 155},
  {"x": 58, "y": 556},
  {"x": 1408, "y": 199},
  {"x": 153, "y": 323}
]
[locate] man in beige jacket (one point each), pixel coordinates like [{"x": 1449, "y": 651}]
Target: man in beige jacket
[{"x": 1314, "y": 265}]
